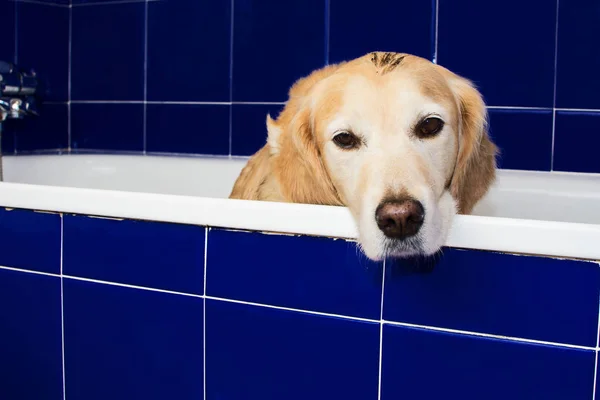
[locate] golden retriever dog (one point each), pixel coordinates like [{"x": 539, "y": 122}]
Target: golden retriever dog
[{"x": 400, "y": 141}]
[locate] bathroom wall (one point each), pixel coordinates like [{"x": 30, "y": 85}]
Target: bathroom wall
[
  {"x": 95, "y": 309},
  {"x": 198, "y": 77}
]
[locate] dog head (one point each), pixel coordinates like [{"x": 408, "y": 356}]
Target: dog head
[{"x": 399, "y": 140}]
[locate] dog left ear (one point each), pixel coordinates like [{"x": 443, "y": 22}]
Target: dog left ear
[
  {"x": 295, "y": 155},
  {"x": 475, "y": 168}
]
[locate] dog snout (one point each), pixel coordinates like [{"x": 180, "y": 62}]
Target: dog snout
[{"x": 400, "y": 219}]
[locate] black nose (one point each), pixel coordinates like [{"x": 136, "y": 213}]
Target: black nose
[{"x": 401, "y": 218}]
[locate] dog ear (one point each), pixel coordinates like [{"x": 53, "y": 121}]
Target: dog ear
[
  {"x": 295, "y": 154},
  {"x": 475, "y": 168}
]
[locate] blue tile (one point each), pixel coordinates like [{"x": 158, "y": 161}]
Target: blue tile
[
  {"x": 110, "y": 126},
  {"x": 249, "y": 127},
  {"x": 189, "y": 50},
  {"x": 524, "y": 138},
  {"x": 123, "y": 343},
  {"x": 47, "y": 131},
  {"x": 7, "y": 131},
  {"x": 421, "y": 364},
  {"x": 188, "y": 128},
  {"x": 7, "y": 31},
  {"x": 273, "y": 355},
  {"x": 275, "y": 43},
  {"x": 576, "y": 142},
  {"x": 47, "y": 53},
  {"x": 88, "y": 2},
  {"x": 519, "y": 296},
  {"x": 506, "y": 48},
  {"x": 597, "y": 380},
  {"x": 358, "y": 28},
  {"x": 142, "y": 253},
  {"x": 53, "y": 2},
  {"x": 30, "y": 240},
  {"x": 30, "y": 336},
  {"x": 108, "y": 52},
  {"x": 309, "y": 273},
  {"x": 578, "y": 32}
]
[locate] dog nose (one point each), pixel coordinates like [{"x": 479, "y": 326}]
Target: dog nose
[{"x": 400, "y": 219}]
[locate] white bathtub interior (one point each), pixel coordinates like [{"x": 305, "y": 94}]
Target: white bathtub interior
[{"x": 547, "y": 196}]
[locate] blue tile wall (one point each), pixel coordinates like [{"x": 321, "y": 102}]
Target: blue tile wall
[
  {"x": 579, "y": 27},
  {"x": 357, "y": 28},
  {"x": 512, "y": 66},
  {"x": 123, "y": 343},
  {"x": 248, "y": 129},
  {"x": 577, "y": 134},
  {"x": 49, "y": 131},
  {"x": 188, "y": 128},
  {"x": 165, "y": 256},
  {"x": 107, "y": 52},
  {"x": 532, "y": 61},
  {"x": 551, "y": 300},
  {"x": 48, "y": 52},
  {"x": 30, "y": 339},
  {"x": 325, "y": 276},
  {"x": 117, "y": 127},
  {"x": 30, "y": 240},
  {"x": 255, "y": 352},
  {"x": 275, "y": 43},
  {"x": 524, "y": 137},
  {"x": 7, "y": 30},
  {"x": 125, "y": 315},
  {"x": 422, "y": 364},
  {"x": 190, "y": 52}
]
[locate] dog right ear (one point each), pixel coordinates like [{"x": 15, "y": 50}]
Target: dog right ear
[
  {"x": 475, "y": 168},
  {"x": 296, "y": 157}
]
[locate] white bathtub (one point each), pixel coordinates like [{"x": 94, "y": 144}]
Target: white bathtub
[{"x": 552, "y": 214}]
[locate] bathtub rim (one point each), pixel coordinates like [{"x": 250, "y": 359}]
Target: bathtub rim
[{"x": 510, "y": 235}]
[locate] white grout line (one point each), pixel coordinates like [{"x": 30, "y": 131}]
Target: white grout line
[
  {"x": 69, "y": 67},
  {"x": 258, "y": 103},
  {"x": 435, "y": 39},
  {"x": 28, "y": 271},
  {"x": 125, "y": 285},
  {"x": 282, "y": 103},
  {"x": 324, "y": 314},
  {"x": 554, "y": 94},
  {"x": 144, "y": 113},
  {"x": 62, "y": 307},
  {"x": 270, "y": 306},
  {"x": 490, "y": 336},
  {"x": 43, "y": 3},
  {"x": 107, "y": 101},
  {"x": 108, "y": 3},
  {"x": 381, "y": 331},
  {"x": 553, "y": 135},
  {"x": 585, "y": 110},
  {"x": 204, "y": 311},
  {"x": 16, "y": 33},
  {"x": 596, "y": 358},
  {"x": 231, "y": 33},
  {"x": 327, "y": 30},
  {"x": 595, "y": 376},
  {"x": 519, "y": 108}
]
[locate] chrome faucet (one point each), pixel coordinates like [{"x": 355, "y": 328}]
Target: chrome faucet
[
  {"x": 18, "y": 89},
  {"x": 17, "y": 92}
]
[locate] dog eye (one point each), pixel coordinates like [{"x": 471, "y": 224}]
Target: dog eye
[
  {"x": 346, "y": 140},
  {"x": 430, "y": 126}
]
